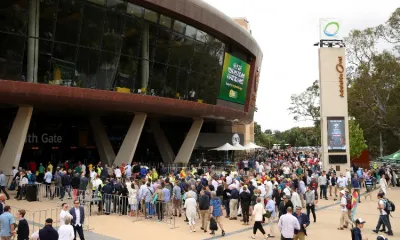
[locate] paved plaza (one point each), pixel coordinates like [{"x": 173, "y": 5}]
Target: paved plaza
[{"x": 123, "y": 227}]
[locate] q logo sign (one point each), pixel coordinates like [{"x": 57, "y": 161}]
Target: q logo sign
[{"x": 331, "y": 29}]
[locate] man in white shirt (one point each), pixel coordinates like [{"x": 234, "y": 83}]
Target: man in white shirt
[
  {"x": 64, "y": 213},
  {"x": 341, "y": 182},
  {"x": 93, "y": 175},
  {"x": 344, "y": 218},
  {"x": 48, "y": 176},
  {"x": 117, "y": 173},
  {"x": 287, "y": 224},
  {"x": 383, "y": 215}
]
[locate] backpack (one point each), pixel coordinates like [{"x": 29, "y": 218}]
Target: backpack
[
  {"x": 348, "y": 198},
  {"x": 389, "y": 206}
]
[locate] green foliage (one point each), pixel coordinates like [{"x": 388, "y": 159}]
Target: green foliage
[
  {"x": 357, "y": 141},
  {"x": 374, "y": 82},
  {"x": 305, "y": 106}
]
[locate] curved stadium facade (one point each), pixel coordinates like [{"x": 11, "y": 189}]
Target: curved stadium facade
[{"x": 121, "y": 81}]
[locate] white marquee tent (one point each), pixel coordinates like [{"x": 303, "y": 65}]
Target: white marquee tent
[{"x": 251, "y": 145}]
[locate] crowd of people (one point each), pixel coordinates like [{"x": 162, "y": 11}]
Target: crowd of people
[{"x": 267, "y": 186}]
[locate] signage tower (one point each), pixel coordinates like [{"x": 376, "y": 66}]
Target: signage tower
[{"x": 333, "y": 97}]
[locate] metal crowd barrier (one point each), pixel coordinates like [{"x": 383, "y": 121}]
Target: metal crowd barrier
[
  {"x": 36, "y": 219},
  {"x": 158, "y": 211}
]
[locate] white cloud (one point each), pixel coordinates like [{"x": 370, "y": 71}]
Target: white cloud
[{"x": 286, "y": 32}]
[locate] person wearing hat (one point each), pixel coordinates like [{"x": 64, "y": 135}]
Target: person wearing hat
[
  {"x": 47, "y": 232},
  {"x": 344, "y": 219},
  {"x": 381, "y": 237},
  {"x": 304, "y": 222},
  {"x": 356, "y": 232}
]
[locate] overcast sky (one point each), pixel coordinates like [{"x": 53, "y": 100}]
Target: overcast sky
[{"x": 286, "y": 32}]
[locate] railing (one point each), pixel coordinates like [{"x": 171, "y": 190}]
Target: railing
[{"x": 37, "y": 218}]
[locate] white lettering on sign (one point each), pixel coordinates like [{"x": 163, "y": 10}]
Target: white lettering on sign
[
  {"x": 235, "y": 74},
  {"x": 44, "y": 138}
]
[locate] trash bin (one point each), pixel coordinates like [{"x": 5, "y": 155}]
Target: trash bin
[{"x": 31, "y": 192}]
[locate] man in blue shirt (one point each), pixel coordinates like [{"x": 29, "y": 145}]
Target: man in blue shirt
[
  {"x": 270, "y": 207},
  {"x": 7, "y": 224},
  {"x": 167, "y": 198},
  {"x": 3, "y": 183},
  {"x": 303, "y": 221}
]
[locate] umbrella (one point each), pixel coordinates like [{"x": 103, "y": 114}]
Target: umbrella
[
  {"x": 225, "y": 147},
  {"x": 251, "y": 145},
  {"x": 237, "y": 146}
]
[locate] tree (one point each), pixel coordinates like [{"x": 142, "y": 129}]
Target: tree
[
  {"x": 305, "y": 106},
  {"x": 357, "y": 141},
  {"x": 373, "y": 77},
  {"x": 374, "y": 95},
  {"x": 260, "y": 138}
]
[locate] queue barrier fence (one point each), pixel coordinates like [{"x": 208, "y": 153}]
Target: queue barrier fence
[{"x": 36, "y": 219}]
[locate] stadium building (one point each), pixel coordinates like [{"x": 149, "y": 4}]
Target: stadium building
[{"x": 119, "y": 81}]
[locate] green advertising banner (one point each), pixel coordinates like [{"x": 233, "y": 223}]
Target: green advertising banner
[{"x": 235, "y": 76}]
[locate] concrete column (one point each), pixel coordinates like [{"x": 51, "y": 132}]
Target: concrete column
[
  {"x": 163, "y": 145},
  {"x": 12, "y": 151},
  {"x": 33, "y": 40},
  {"x": 1, "y": 147},
  {"x": 103, "y": 144},
  {"x": 190, "y": 141},
  {"x": 128, "y": 147},
  {"x": 145, "y": 58}
]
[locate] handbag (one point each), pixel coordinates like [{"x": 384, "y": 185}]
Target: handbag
[
  {"x": 267, "y": 214},
  {"x": 213, "y": 225}
]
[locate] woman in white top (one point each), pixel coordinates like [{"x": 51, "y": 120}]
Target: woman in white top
[
  {"x": 66, "y": 231},
  {"x": 383, "y": 184},
  {"x": 132, "y": 197},
  {"x": 258, "y": 213},
  {"x": 191, "y": 210}
]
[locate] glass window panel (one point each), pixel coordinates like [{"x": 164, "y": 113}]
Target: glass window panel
[
  {"x": 183, "y": 84},
  {"x": 99, "y": 2},
  {"x": 150, "y": 15},
  {"x": 107, "y": 71},
  {"x": 87, "y": 65},
  {"x": 45, "y": 71},
  {"x": 127, "y": 74},
  {"x": 113, "y": 29},
  {"x": 200, "y": 58},
  {"x": 132, "y": 36},
  {"x": 135, "y": 10},
  {"x": 201, "y": 82},
  {"x": 48, "y": 12},
  {"x": 163, "y": 42},
  {"x": 11, "y": 56},
  {"x": 92, "y": 26},
  {"x": 165, "y": 21},
  {"x": 179, "y": 26},
  {"x": 190, "y": 31},
  {"x": 62, "y": 66},
  {"x": 45, "y": 47},
  {"x": 171, "y": 85},
  {"x": 158, "y": 79},
  {"x": 68, "y": 21},
  {"x": 202, "y": 36},
  {"x": 14, "y": 16},
  {"x": 153, "y": 32},
  {"x": 117, "y": 5},
  {"x": 212, "y": 82},
  {"x": 181, "y": 51},
  {"x": 65, "y": 52}
]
